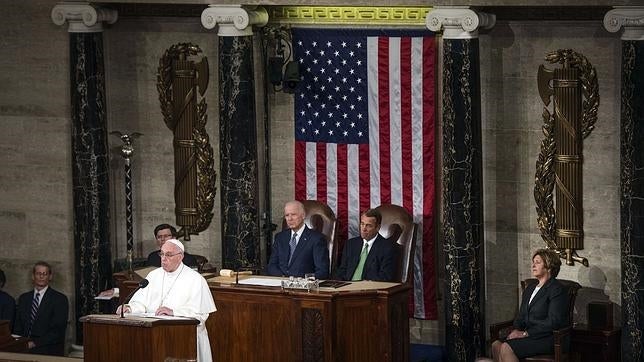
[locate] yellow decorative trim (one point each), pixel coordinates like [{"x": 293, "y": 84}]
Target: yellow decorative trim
[{"x": 347, "y": 15}]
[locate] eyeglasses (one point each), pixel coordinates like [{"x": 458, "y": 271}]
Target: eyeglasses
[
  {"x": 168, "y": 255},
  {"x": 41, "y": 274}
]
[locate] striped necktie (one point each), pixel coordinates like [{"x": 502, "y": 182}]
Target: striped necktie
[
  {"x": 292, "y": 244},
  {"x": 34, "y": 311},
  {"x": 357, "y": 275}
]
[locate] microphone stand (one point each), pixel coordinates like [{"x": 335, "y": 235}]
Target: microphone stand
[
  {"x": 142, "y": 284},
  {"x": 241, "y": 269}
]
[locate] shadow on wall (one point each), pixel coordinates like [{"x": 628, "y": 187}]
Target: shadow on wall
[{"x": 594, "y": 291}]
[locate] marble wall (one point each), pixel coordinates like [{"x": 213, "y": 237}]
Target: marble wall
[
  {"x": 35, "y": 148},
  {"x": 35, "y": 161}
]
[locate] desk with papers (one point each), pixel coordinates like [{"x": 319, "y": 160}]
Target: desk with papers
[{"x": 257, "y": 320}]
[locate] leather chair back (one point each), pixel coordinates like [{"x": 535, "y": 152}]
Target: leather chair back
[
  {"x": 572, "y": 288},
  {"x": 201, "y": 262},
  {"x": 398, "y": 226}
]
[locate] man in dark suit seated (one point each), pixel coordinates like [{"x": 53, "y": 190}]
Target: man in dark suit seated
[
  {"x": 369, "y": 256},
  {"x": 162, "y": 233},
  {"x": 298, "y": 250},
  {"x": 42, "y": 314}
]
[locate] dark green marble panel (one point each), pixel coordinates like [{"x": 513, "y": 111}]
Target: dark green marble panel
[
  {"x": 90, "y": 170},
  {"x": 462, "y": 200},
  {"x": 238, "y": 155},
  {"x": 632, "y": 200}
]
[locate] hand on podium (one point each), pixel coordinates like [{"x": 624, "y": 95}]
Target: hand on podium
[
  {"x": 164, "y": 311},
  {"x": 124, "y": 307}
]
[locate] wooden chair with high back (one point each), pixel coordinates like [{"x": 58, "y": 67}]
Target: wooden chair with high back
[
  {"x": 561, "y": 336},
  {"x": 399, "y": 227},
  {"x": 321, "y": 218}
]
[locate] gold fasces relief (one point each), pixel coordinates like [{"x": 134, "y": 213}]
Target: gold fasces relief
[
  {"x": 180, "y": 82},
  {"x": 574, "y": 92}
]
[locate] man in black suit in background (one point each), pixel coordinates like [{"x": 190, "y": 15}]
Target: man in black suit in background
[
  {"x": 42, "y": 314},
  {"x": 162, "y": 233},
  {"x": 298, "y": 250},
  {"x": 368, "y": 256}
]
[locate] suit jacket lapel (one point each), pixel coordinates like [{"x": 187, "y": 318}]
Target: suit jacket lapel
[
  {"x": 355, "y": 256},
  {"x": 373, "y": 251},
  {"x": 527, "y": 293},
  {"x": 542, "y": 291}
]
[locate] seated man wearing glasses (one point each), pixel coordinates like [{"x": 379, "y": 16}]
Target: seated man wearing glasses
[
  {"x": 42, "y": 314},
  {"x": 176, "y": 290},
  {"x": 162, "y": 233}
]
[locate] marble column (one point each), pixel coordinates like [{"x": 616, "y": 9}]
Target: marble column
[
  {"x": 238, "y": 175},
  {"x": 632, "y": 176},
  {"x": 90, "y": 169},
  {"x": 462, "y": 179}
]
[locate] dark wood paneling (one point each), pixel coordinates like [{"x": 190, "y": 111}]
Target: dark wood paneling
[
  {"x": 8, "y": 343},
  {"x": 128, "y": 340}
]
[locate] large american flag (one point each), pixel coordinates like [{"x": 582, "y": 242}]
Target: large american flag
[{"x": 364, "y": 132}]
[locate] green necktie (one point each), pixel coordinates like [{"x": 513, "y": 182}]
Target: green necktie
[{"x": 357, "y": 275}]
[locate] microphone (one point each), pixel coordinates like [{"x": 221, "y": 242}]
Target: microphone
[{"x": 142, "y": 284}]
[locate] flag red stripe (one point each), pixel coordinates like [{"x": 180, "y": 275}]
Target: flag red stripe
[
  {"x": 429, "y": 119},
  {"x": 300, "y": 170},
  {"x": 383, "y": 111},
  {"x": 343, "y": 189},
  {"x": 405, "y": 122},
  {"x": 365, "y": 177}
]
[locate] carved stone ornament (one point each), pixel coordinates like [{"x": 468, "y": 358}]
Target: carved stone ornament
[
  {"x": 573, "y": 91},
  {"x": 458, "y": 22},
  {"x": 233, "y": 20},
  {"x": 181, "y": 83},
  {"x": 631, "y": 18},
  {"x": 83, "y": 17}
]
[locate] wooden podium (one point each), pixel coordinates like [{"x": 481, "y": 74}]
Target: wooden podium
[
  {"x": 112, "y": 338},
  {"x": 9, "y": 343}
]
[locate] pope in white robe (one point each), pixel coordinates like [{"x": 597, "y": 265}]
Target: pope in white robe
[{"x": 175, "y": 289}]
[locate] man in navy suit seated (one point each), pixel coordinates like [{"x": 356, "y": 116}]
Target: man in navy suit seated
[
  {"x": 42, "y": 314},
  {"x": 298, "y": 250},
  {"x": 369, "y": 256}
]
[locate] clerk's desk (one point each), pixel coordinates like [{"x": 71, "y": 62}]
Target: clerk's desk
[{"x": 362, "y": 321}]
